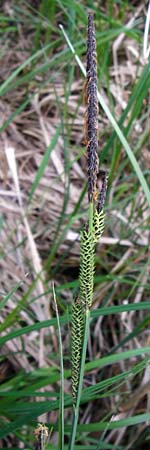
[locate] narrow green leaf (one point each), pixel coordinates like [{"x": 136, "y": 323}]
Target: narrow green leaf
[
  {"x": 64, "y": 319},
  {"x": 127, "y": 422},
  {"x": 61, "y": 405},
  {"x": 9, "y": 295},
  {"x": 20, "y": 68},
  {"x": 44, "y": 161},
  {"x": 113, "y": 359}
]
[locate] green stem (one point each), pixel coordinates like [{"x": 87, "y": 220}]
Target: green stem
[{"x": 76, "y": 407}]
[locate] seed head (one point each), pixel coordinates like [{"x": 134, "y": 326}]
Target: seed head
[{"x": 92, "y": 110}]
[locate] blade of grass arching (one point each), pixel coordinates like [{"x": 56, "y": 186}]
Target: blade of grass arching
[
  {"x": 39, "y": 28},
  {"x": 13, "y": 316},
  {"x": 127, "y": 148},
  {"x": 36, "y": 408},
  {"x": 21, "y": 68},
  {"x": 140, "y": 87},
  {"x": 74, "y": 216},
  {"x": 105, "y": 446},
  {"x": 23, "y": 105},
  {"x": 76, "y": 8},
  {"x": 113, "y": 359},
  {"x": 40, "y": 69},
  {"x": 78, "y": 204},
  {"x": 7, "y": 19},
  {"x": 28, "y": 386},
  {"x": 57, "y": 240},
  {"x": 88, "y": 394},
  {"x": 21, "y": 421},
  {"x": 57, "y": 58},
  {"x": 44, "y": 162},
  {"x": 11, "y": 407},
  {"x": 141, "y": 93},
  {"x": 15, "y": 113},
  {"x": 139, "y": 278},
  {"x": 51, "y": 7},
  {"x": 10, "y": 29},
  {"x": 66, "y": 171},
  {"x": 110, "y": 34},
  {"x": 47, "y": 9},
  {"x": 100, "y": 389},
  {"x": 88, "y": 428},
  {"x": 116, "y": 128},
  {"x": 64, "y": 319},
  {"x": 127, "y": 422},
  {"x": 111, "y": 277},
  {"x": 110, "y": 425},
  {"x": 91, "y": 445},
  {"x": 120, "y": 308},
  {"x": 11, "y": 392},
  {"x": 136, "y": 331},
  {"x": 22, "y": 413},
  {"x": 9, "y": 295},
  {"x": 61, "y": 408},
  {"x": 101, "y": 444},
  {"x": 67, "y": 165},
  {"x": 76, "y": 406}
]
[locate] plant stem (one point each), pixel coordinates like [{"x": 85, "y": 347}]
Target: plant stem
[{"x": 61, "y": 407}]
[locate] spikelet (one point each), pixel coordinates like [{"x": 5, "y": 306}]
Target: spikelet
[
  {"x": 99, "y": 217},
  {"x": 77, "y": 330},
  {"x": 98, "y": 225},
  {"x": 86, "y": 268}
]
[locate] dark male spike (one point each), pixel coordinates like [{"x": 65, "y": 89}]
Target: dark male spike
[{"x": 92, "y": 110}]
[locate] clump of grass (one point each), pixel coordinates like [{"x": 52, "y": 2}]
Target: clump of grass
[{"x": 121, "y": 284}]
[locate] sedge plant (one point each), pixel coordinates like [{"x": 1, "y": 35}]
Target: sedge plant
[
  {"x": 90, "y": 233},
  {"x": 24, "y": 385}
]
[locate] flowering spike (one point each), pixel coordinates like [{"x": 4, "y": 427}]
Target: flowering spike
[{"x": 92, "y": 111}]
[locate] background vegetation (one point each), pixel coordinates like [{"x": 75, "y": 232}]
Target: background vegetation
[{"x": 43, "y": 204}]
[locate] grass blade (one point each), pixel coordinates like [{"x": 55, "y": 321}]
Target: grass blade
[{"x": 61, "y": 407}]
